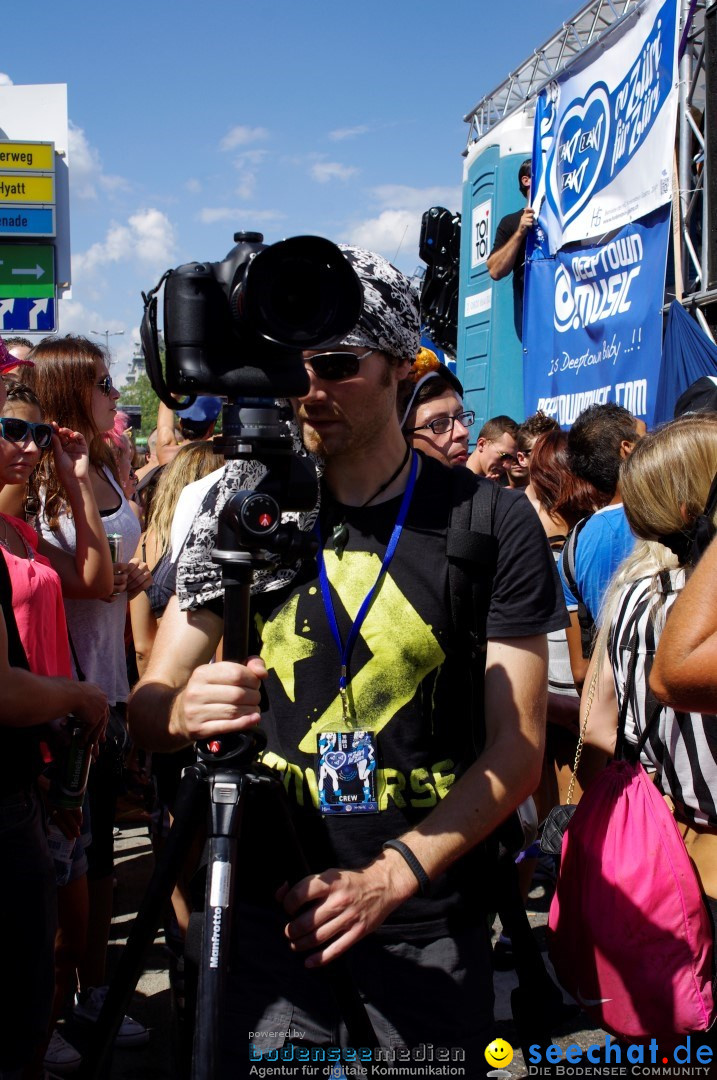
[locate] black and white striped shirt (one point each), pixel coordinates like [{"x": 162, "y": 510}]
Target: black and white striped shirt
[{"x": 682, "y": 747}]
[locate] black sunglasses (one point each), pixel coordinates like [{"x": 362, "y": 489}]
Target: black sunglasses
[
  {"x": 334, "y": 366},
  {"x": 16, "y": 430},
  {"x": 105, "y": 385}
]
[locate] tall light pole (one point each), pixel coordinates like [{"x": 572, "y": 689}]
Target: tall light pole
[{"x": 107, "y": 334}]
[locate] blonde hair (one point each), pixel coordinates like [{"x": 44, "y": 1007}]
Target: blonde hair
[
  {"x": 191, "y": 462},
  {"x": 664, "y": 485}
]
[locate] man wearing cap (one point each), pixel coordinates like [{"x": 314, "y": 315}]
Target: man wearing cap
[
  {"x": 508, "y": 254},
  {"x": 196, "y": 424},
  {"x": 363, "y": 693},
  {"x": 511, "y": 236}
]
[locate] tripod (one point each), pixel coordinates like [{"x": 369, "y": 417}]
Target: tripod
[{"x": 225, "y": 771}]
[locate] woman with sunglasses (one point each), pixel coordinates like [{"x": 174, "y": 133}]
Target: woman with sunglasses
[
  {"x": 431, "y": 407},
  {"x": 40, "y": 573},
  {"x": 24, "y": 438},
  {"x": 72, "y": 380}
]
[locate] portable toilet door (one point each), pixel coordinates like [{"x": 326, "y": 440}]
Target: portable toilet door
[{"x": 490, "y": 355}]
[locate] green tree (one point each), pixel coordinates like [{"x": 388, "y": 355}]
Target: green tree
[{"x": 142, "y": 394}]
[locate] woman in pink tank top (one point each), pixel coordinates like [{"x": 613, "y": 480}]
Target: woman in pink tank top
[{"x": 39, "y": 572}]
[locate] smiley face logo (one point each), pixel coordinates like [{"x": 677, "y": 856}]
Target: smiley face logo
[{"x": 499, "y": 1053}]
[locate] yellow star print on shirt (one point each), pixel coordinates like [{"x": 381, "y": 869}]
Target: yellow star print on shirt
[
  {"x": 288, "y": 647},
  {"x": 403, "y": 648}
]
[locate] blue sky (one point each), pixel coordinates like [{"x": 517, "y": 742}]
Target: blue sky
[{"x": 189, "y": 122}]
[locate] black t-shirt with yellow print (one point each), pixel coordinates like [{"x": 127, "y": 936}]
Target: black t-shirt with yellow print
[{"x": 408, "y": 680}]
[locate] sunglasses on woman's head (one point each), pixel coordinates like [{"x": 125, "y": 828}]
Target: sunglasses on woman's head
[
  {"x": 334, "y": 366},
  {"x": 105, "y": 385},
  {"x": 16, "y": 430}
]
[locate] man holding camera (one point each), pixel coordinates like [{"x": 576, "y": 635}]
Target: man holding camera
[{"x": 364, "y": 693}]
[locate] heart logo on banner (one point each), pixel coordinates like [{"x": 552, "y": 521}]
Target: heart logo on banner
[
  {"x": 580, "y": 149},
  {"x": 335, "y": 760}
]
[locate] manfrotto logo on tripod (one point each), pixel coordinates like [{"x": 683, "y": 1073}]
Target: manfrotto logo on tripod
[{"x": 216, "y": 937}]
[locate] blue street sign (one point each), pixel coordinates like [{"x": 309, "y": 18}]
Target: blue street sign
[
  {"x": 20, "y": 313},
  {"x": 27, "y": 221}
]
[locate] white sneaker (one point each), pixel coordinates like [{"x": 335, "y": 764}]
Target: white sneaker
[
  {"x": 60, "y": 1057},
  {"x": 88, "y": 1005}
]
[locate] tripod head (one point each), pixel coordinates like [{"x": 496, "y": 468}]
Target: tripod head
[
  {"x": 250, "y": 527},
  {"x": 251, "y": 535}
]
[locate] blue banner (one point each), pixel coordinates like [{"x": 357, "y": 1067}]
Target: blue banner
[
  {"x": 687, "y": 355},
  {"x": 604, "y": 133},
  {"x": 605, "y": 340}
]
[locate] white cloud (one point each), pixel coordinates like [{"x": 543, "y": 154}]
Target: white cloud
[
  {"x": 237, "y": 214},
  {"x": 153, "y": 234},
  {"x": 5, "y": 80},
  {"x": 250, "y": 157},
  {"x": 348, "y": 132},
  {"x": 85, "y": 165},
  {"x": 148, "y": 237},
  {"x": 193, "y": 186},
  {"x": 390, "y": 196},
  {"x": 114, "y": 183},
  {"x": 75, "y": 317},
  {"x": 246, "y": 165},
  {"x": 390, "y": 231},
  {"x": 325, "y": 171},
  {"x": 86, "y": 172},
  {"x": 395, "y": 230},
  {"x": 78, "y": 318},
  {"x": 246, "y": 187},
  {"x": 241, "y": 135}
]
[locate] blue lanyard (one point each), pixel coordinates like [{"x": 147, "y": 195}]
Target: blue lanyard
[{"x": 346, "y": 650}]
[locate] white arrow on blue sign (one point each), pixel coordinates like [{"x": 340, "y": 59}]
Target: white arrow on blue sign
[{"x": 22, "y": 313}]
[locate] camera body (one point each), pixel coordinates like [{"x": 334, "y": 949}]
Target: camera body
[{"x": 237, "y": 328}]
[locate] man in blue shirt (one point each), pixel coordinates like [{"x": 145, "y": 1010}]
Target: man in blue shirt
[{"x": 598, "y": 442}]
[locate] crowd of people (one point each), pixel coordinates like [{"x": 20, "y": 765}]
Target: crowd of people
[{"x": 404, "y": 735}]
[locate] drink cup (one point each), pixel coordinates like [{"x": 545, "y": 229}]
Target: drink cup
[{"x": 115, "y": 542}]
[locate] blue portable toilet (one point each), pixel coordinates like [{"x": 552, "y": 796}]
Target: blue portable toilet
[{"x": 489, "y": 359}]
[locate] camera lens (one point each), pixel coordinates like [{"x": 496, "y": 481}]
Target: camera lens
[{"x": 302, "y": 292}]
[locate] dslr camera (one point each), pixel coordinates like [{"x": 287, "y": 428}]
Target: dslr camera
[{"x": 237, "y": 328}]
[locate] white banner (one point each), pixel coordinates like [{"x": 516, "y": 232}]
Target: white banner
[{"x": 604, "y": 136}]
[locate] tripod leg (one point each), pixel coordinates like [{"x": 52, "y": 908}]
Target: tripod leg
[
  {"x": 191, "y": 794},
  {"x": 227, "y": 794}
]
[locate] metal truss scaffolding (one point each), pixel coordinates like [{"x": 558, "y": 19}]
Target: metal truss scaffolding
[
  {"x": 547, "y": 63},
  {"x": 695, "y": 216}
]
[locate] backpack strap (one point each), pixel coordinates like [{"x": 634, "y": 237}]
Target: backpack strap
[
  {"x": 472, "y": 551},
  {"x": 585, "y": 620},
  {"x": 20, "y": 760},
  {"x": 15, "y": 650},
  {"x": 620, "y": 744}
]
